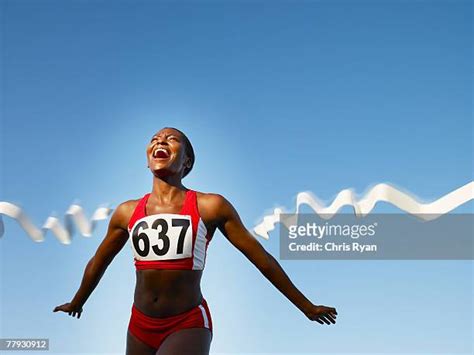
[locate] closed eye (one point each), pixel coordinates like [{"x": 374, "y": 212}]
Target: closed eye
[{"x": 169, "y": 137}]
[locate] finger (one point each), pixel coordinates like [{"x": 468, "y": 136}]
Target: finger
[
  {"x": 79, "y": 315},
  {"x": 334, "y": 310},
  {"x": 319, "y": 321},
  {"x": 69, "y": 313},
  {"x": 331, "y": 319},
  {"x": 325, "y": 320},
  {"x": 74, "y": 314}
]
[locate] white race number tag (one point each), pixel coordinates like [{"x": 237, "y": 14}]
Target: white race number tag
[{"x": 162, "y": 237}]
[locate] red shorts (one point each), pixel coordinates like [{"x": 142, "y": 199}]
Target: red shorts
[{"x": 153, "y": 331}]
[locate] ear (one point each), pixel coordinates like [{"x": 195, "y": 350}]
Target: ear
[{"x": 187, "y": 161}]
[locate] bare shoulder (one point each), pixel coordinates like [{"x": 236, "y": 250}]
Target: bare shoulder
[
  {"x": 213, "y": 206},
  {"x": 123, "y": 212}
]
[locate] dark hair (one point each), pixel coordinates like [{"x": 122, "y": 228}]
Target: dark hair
[{"x": 188, "y": 150}]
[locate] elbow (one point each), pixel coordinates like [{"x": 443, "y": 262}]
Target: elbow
[
  {"x": 265, "y": 263},
  {"x": 97, "y": 264}
]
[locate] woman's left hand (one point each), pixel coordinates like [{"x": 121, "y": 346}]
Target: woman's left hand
[{"x": 321, "y": 314}]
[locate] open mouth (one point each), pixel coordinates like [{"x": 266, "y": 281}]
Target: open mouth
[{"x": 161, "y": 153}]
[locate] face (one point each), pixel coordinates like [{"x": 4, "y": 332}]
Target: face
[{"x": 166, "y": 153}]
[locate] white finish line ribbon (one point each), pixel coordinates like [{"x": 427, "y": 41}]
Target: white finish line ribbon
[
  {"x": 75, "y": 216},
  {"x": 362, "y": 207}
]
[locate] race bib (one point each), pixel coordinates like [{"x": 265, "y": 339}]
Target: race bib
[{"x": 162, "y": 237}]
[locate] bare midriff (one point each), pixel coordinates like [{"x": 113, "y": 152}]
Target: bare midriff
[{"x": 164, "y": 293}]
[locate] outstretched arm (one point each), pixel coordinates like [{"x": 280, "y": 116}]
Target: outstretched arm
[
  {"x": 230, "y": 224},
  {"x": 114, "y": 240}
]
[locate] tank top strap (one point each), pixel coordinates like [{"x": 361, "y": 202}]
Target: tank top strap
[
  {"x": 190, "y": 208},
  {"x": 189, "y": 205},
  {"x": 139, "y": 211}
]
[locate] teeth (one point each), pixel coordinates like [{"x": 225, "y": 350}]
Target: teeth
[{"x": 160, "y": 149}]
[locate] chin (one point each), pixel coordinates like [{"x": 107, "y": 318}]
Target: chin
[{"x": 161, "y": 172}]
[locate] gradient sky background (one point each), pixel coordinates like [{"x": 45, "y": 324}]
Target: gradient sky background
[{"x": 277, "y": 98}]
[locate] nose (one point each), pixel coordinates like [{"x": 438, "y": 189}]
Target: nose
[{"x": 160, "y": 140}]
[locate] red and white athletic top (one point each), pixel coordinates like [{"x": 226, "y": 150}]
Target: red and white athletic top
[{"x": 169, "y": 240}]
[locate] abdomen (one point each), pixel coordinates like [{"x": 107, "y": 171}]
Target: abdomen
[{"x": 163, "y": 293}]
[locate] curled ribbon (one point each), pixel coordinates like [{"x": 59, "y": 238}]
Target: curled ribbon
[
  {"x": 381, "y": 192},
  {"x": 363, "y": 206},
  {"x": 74, "y": 216}
]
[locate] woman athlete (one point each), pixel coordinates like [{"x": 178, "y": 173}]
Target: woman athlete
[{"x": 169, "y": 230}]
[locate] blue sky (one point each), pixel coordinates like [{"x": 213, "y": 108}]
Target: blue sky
[{"x": 277, "y": 98}]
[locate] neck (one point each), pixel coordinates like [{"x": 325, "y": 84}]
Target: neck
[{"x": 167, "y": 188}]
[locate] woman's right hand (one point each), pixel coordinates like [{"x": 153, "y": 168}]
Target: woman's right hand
[{"x": 70, "y": 308}]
